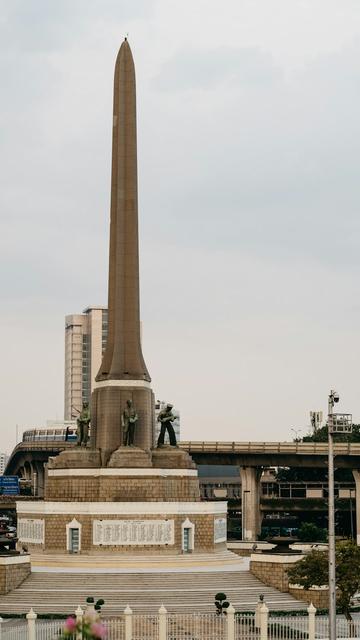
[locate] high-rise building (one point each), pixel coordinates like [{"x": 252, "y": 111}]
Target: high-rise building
[
  {"x": 85, "y": 342},
  {"x": 3, "y": 461}
]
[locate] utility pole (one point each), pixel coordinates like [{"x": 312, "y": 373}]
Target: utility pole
[
  {"x": 337, "y": 423},
  {"x": 331, "y": 520}
]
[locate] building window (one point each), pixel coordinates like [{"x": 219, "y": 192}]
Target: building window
[
  {"x": 187, "y": 536},
  {"x": 73, "y": 536}
]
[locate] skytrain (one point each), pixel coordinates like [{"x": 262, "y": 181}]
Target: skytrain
[{"x": 67, "y": 434}]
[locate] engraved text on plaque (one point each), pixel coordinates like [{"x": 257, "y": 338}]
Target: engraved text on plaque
[{"x": 133, "y": 532}]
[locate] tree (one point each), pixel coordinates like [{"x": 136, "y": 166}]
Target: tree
[
  {"x": 312, "y": 571},
  {"x": 321, "y": 435},
  {"x": 310, "y": 532}
]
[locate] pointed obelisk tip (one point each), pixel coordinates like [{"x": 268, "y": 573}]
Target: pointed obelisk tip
[{"x": 124, "y": 51}]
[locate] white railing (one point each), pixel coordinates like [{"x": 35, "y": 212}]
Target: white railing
[
  {"x": 192, "y": 626},
  {"x": 344, "y": 628},
  {"x": 200, "y": 626}
]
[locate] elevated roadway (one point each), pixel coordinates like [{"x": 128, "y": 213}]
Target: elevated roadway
[
  {"x": 249, "y": 454},
  {"x": 273, "y": 454}
]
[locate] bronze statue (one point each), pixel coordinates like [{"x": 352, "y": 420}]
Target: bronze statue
[
  {"x": 129, "y": 421},
  {"x": 166, "y": 417},
  {"x": 83, "y": 423}
]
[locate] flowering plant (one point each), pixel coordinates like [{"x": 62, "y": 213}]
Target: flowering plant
[{"x": 88, "y": 626}]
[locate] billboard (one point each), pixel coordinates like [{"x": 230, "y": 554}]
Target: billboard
[{"x": 9, "y": 485}]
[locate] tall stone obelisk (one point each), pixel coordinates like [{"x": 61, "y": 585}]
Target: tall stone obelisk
[{"x": 123, "y": 374}]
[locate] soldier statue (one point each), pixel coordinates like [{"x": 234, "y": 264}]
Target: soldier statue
[
  {"x": 129, "y": 421},
  {"x": 83, "y": 423},
  {"x": 166, "y": 417}
]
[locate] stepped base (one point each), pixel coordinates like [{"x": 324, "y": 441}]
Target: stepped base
[{"x": 181, "y": 589}]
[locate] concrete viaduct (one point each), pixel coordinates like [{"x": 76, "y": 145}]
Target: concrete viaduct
[{"x": 28, "y": 458}]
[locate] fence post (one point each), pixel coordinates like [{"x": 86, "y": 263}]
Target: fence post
[
  {"x": 311, "y": 611},
  {"x": 31, "y": 618},
  {"x": 79, "y": 614},
  {"x": 162, "y": 623},
  {"x": 264, "y": 618},
  {"x": 128, "y": 623},
  {"x": 257, "y": 611},
  {"x": 230, "y": 622}
]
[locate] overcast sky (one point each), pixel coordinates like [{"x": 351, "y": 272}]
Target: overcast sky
[{"x": 249, "y": 194}]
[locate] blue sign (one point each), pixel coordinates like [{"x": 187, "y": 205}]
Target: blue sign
[{"x": 9, "y": 485}]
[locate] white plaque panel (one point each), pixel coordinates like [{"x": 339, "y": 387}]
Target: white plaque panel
[
  {"x": 133, "y": 532},
  {"x": 220, "y": 530},
  {"x": 30, "y": 530}
]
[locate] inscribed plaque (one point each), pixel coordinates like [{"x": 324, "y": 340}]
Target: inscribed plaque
[
  {"x": 30, "y": 530},
  {"x": 220, "y": 530},
  {"x": 133, "y": 532}
]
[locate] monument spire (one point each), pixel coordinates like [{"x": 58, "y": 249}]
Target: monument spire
[
  {"x": 123, "y": 357},
  {"x": 123, "y": 374}
]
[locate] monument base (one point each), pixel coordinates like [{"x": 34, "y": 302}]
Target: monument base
[
  {"x": 142, "y": 503},
  {"x": 146, "y": 528}
]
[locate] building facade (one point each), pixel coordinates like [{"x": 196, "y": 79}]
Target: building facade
[
  {"x": 85, "y": 342},
  {"x": 3, "y": 461}
]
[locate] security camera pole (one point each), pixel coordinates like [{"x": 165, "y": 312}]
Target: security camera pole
[{"x": 337, "y": 423}]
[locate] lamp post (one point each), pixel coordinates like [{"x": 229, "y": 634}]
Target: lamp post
[{"x": 337, "y": 423}]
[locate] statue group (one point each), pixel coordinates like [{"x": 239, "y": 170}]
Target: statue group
[{"x": 129, "y": 420}]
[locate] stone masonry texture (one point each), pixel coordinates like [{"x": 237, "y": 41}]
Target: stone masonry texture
[
  {"x": 12, "y": 575},
  {"x": 55, "y": 534}
]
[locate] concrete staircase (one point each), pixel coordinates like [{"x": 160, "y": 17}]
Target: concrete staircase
[{"x": 59, "y": 590}]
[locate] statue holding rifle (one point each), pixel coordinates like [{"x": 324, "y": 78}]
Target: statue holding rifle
[{"x": 166, "y": 418}]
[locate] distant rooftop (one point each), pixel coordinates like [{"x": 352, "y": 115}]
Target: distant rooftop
[{"x": 94, "y": 307}]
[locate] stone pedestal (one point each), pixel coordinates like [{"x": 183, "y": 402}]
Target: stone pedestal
[
  {"x": 168, "y": 457},
  {"x": 133, "y": 457},
  {"x": 77, "y": 458}
]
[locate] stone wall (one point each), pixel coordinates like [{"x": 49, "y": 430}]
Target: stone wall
[
  {"x": 318, "y": 596},
  {"x": 13, "y": 571},
  {"x": 56, "y": 532},
  {"x": 122, "y": 489},
  {"x": 271, "y": 569}
]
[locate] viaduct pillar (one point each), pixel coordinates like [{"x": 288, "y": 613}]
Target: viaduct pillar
[
  {"x": 356, "y": 474},
  {"x": 250, "y": 502}
]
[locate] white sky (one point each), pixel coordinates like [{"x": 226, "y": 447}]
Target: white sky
[{"x": 249, "y": 145}]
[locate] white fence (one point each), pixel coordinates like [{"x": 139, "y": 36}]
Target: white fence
[{"x": 192, "y": 626}]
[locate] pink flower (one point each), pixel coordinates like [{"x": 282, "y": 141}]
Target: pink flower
[
  {"x": 98, "y": 630},
  {"x": 70, "y": 625}
]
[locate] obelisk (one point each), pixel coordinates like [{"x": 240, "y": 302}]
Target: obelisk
[{"x": 123, "y": 374}]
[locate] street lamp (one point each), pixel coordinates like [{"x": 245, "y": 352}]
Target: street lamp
[{"x": 337, "y": 423}]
